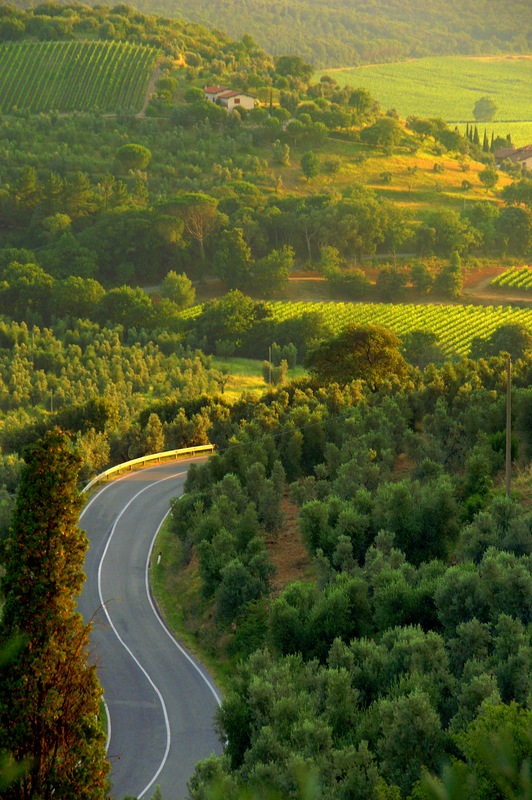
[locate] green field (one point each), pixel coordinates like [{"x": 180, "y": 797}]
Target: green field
[
  {"x": 74, "y": 76},
  {"x": 449, "y": 87}
]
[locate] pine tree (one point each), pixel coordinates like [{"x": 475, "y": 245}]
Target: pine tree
[{"x": 49, "y": 696}]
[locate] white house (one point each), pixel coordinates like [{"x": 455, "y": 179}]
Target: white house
[
  {"x": 229, "y": 98},
  {"x": 212, "y": 92}
]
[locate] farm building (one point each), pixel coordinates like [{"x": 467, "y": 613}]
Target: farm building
[
  {"x": 229, "y": 98},
  {"x": 519, "y": 155}
]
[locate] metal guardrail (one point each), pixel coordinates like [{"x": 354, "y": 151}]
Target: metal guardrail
[{"x": 140, "y": 462}]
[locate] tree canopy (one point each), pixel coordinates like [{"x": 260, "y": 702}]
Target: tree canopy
[
  {"x": 368, "y": 352},
  {"x": 49, "y": 695}
]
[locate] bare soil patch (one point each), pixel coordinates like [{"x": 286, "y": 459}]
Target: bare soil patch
[{"x": 287, "y": 552}]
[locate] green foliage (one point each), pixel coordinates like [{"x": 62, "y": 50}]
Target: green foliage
[
  {"x": 488, "y": 177},
  {"x": 270, "y": 274},
  {"x": 310, "y": 164},
  {"x": 133, "y": 156},
  {"x": 386, "y": 132},
  {"x": 514, "y": 339},
  {"x": 233, "y": 261},
  {"x": 485, "y": 109},
  {"x": 178, "y": 289},
  {"x": 368, "y": 352}
]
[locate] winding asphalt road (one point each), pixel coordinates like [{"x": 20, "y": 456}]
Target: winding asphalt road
[{"x": 160, "y": 700}]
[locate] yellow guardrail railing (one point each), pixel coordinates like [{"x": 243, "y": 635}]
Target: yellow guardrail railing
[{"x": 140, "y": 462}]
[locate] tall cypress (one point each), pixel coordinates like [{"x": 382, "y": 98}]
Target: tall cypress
[
  {"x": 476, "y": 138},
  {"x": 49, "y": 695},
  {"x": 485, "y": 142}
]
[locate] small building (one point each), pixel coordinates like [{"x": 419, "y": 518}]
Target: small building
[
  {"x": 212, "y": 92},
  {"x": 519, "y": 155},
  {"x": 229, "y": 98}
]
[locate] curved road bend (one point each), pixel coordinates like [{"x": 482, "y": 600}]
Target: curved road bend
[{"x": 161, "y": 701}]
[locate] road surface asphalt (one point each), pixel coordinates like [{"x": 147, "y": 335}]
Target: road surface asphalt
[{"x": 160, "y": 700}]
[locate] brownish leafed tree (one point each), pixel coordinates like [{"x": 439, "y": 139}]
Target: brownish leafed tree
[{"x": 49, "y": 695}]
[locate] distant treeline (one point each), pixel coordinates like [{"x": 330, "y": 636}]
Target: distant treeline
[{"x": 340, "y": 33}]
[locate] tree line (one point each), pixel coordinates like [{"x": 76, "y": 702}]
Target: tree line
[{"x": 341, "y": 35}]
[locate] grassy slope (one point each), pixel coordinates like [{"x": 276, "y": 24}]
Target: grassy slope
[
  {"x": 418, "y": 192},
  {"x": 449, "y": 87},
  {"x": 246, "y": 375}
]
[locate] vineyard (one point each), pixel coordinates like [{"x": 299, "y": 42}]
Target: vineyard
[
  {"x": 515, "y": 278},
  {"x": 74, "y": 76},
  {"x": 455, "y": 325}
]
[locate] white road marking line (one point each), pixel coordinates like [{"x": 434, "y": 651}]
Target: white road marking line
[{"x": 162, "y": 622}]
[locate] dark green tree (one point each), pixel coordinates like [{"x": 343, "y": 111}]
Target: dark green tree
[
  {"x": 514, "y": 339},
  {"x": 386, "y": 132},
  {"x": 514, "y": 229},
  {"x": 310, "y": 164},
  {"x": 49, "y": 696},
  {"x": 359, "y": 351},
  {"x": 270, "y": 274},
  {"x": 133, "y": 156},
  {"x": 485, "y": 109},
  {"x": 233, "y": 259}
]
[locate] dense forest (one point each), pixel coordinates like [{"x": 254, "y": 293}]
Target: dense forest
[
  {"x": 401, "y": 646},
  {"x": 337, "y": 34},
  {"x": 410, "y": 645}
]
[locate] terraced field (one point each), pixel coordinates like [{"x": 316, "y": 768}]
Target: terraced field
[{"x": 74, "y": 76}]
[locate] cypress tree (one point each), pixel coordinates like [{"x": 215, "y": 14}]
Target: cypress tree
[
  {"x": 476, "y": 138},
  {"x": 492, "y": 143},
  {"x": 485, "y": 143},
  {"x": 49, "y": 695}
]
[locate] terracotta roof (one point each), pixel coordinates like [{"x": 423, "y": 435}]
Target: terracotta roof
[
  {"x": 214, "y": 89},
  {"x": 515, "y": 153},
  {"x": 504, "y": 152},
  {"x": 232, "y": 93}
]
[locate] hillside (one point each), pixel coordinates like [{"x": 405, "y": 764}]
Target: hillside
[{"x": 339, "y": 33}]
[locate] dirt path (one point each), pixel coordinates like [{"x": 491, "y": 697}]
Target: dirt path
[{"x": 149, "y": 91}]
